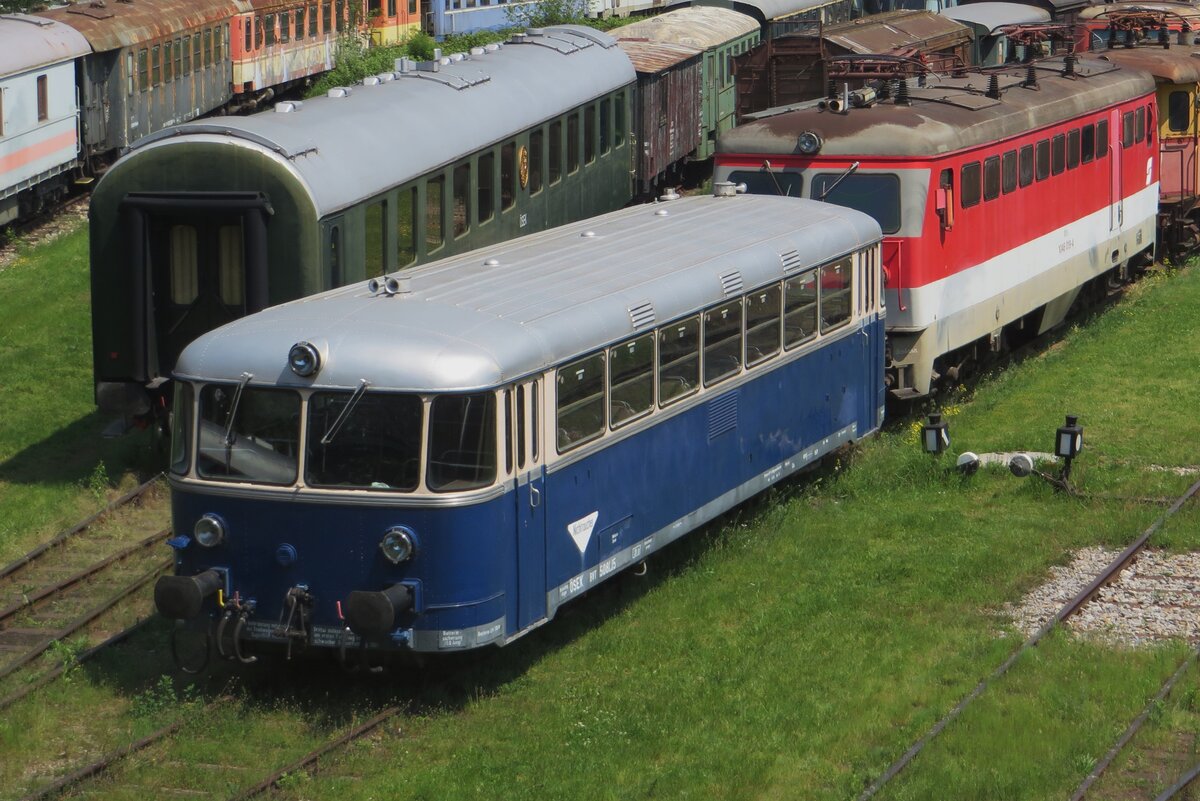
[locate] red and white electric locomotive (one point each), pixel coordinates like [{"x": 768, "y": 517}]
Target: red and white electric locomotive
[{"x": 1001, "y": 195}]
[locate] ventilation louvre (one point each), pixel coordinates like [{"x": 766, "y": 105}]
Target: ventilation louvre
[
  {"x": 731, "y": 283},
  {"x": 791, "y": 261},
  {"x": 642, "y": 315},
  {"x": 722, "y": 415}
]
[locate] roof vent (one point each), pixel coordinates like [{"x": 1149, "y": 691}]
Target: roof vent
[
  {"x": 731, "y": 283},
  {"x": 642, "y": 315},
  {"x": 339, "y": 91},
  {"x": 288, "y": 106},
  {"x": 728, "y": 189},
  {"x": 791, "y": 261}
]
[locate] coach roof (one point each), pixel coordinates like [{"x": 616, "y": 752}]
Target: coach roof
[
  {"x": 505, "y": 311},
  {"x": 949, "y": 114},
  {"x": 349, "y": 148}
]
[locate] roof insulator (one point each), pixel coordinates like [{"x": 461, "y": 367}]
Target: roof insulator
[
  {"x": 1030, "y": 76},
  {"x": 902, "y": 98},
  {"x": 1069, "y": 65},
  {"x": 993, "y": 90}
]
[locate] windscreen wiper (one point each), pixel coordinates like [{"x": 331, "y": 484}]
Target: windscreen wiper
[
  {"x": 853, "y": 168},
  {"x": 233, "y": 409},
  {"x": 349, "y": 407}
]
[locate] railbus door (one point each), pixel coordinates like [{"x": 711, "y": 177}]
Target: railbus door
[
  {"x": 1117, "y": 202},
  {"x": 531, "y": 506}
]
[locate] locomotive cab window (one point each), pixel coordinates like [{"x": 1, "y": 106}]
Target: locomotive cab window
[
  {"x": 722, "y": 342},
  {"x": 678, "y": 360},
  {"x": 1127, "y": 127},
  {"x": 874, "y": 194},
  {"x": 631, "y": 380},
  {"x": 372, "y": 442},
  {"x": 462, "y": 442},
  {"x": 1087, "y": 144},
  {"x": 1179, "y": 111},
  {"x": 770, "y": 182},
  {"x": 580, "y": 401},
  {"x": 1101, "y": 139},
  {"x": 1139, "y": 132},
  {"x": 181, "y": 429},
  {"x": 248, "y": 434}
]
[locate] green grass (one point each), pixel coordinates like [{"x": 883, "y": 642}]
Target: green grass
[{"x": 54, "y": 467}]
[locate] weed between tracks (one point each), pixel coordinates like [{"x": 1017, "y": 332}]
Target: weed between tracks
[{"x": 792, "y": 650}]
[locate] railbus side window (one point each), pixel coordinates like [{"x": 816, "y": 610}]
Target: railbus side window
[
  {"x": 556, "y": 152},
  {"x": 1025, "y": 166},
  {"x": 631, "y": 380},
  {"x": 763, "y": 322},
  {"x": 433, "y": 213},
  {"x": 991, "y": 178},
  {"x": 487, "y": 192},
  {"x": 1072, "y": 149},
  {"x": 508, "y": 175},
  {"x": 1043, "y": 159},
  {"x": 181, "y": 429},
  {"x": 970, "y": 183},
  {"x": 835, "y": 284},
  {"x": 375, "y": 239},
  {"x": 580, "y": 401},
  {"x": 572, "y": 142},
  {"x": 1179, "y": 111},
  {"x": 678, "y": 360},
  {"x": 1009, "y": 172},
  {"x": 1058, "y": 154},
  {"x": 533, "y": 421},
  {"x": 619, "y": 119},
  {"x": 1101, "y": 139},
  {"x": 722, "y": 342},
  {"x": 800, "y": 309},
  {"x": 462, "y": 200},
  {"x": 509, "y": 434},
  {"x": 520, "y": 435},
  {"x": 406, "y": 227},
  {"x": 1087, "y": 144},
  {"x": 462, "y": 442},
  {"x": 536, "y": 154}
]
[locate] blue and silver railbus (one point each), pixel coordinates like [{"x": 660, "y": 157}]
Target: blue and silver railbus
[{"x": 439, "y": 459}]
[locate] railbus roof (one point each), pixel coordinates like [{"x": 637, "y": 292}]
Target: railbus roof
[
  {"x": 949, "y": 114},
  {"x": 28, "y": 42},
  {"x": 505, "y": 311},
  {"x": 350, "y": 148}
]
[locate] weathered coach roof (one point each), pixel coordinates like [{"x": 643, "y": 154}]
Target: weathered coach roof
[
  {"x": 470, "y": 322},
  {"x": 1100, "y": 11},
  {"x": 991, "y": 16},
  {"x": 112, "y": 25},
  {"x": 698, "y": 26},
  {"x": 28, "y": 42},
  {"x": 950, "y": 114},
  {"x": 349, "y": 148},
  {"x": 654, "y": 57},
  {"x": 892, "y": 30},
  {"x": 1180, "y": 64},
  {"x": 767, "y": 10}
]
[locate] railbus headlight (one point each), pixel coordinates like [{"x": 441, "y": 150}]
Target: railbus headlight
[
  {"x": 809, "y": 142},
  {"x": 304, "y": 359},
  {"x": 398, "y": 544},
  {"x": 209, "y": 531}
]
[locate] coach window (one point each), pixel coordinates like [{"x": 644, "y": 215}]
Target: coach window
[
  {"x": 678, "y": 360},
  {"x": 335, "y": 256},
  {"x": 1087, "y": 144},
  {"x": 249, "y": 35},
  {"x": 258, "y": 32},
  {"x": 1101, "y": 139},
  {"x": 143, "y": 67},
  {"x": 1043, "y": 159},
  {"x": 178, "y": 59},
  {"x": 285, "y": 26},
  {"x": 619, "y": 119},
  {"x": 300, "y": 23},
  {"x": 187, "y": 55},
  {"x": 991, "y": 178},
  {"x": 536, "y": 154},
  {"x": 763, "y": 308},
  {"x": 631, "y": 380},
  {"x": 462, "y": 204},
  {"x": 556, "y": 152},
  {"x": 1058, "y": 154},
  {"x": 406, "y": 227},
  {"x": 835, "y": 295},
  {"x": 572, "y": 142},
  {"x": 800, "y": 309},
  {"x": 231, "y": 270},
  {"x": 129, "y": 77},
  {"x": 1139, "y": 133},
  {"x": 722, "y": 342},
  {"x": 412, "y": 7},
  {"x": 374, "y": 8},
  {"x": 970, "y": 183},
  {"x": 248, "y": 434},
  {"x": 589, "y": 134},
  {"x": 1025, "y": 166},
  {"x": 508, "y": 175},
  {"x": 487, "y": 189},
  {"x": 197, "y": 53},
  {"x": 377, "y": 446},
  {"x": 462, "y": 442},
  {"x": 155, "y": 67},
  {"x": 433, "y": 213},
  {"x": 1127, "y": 125},
  {"x": 375, "y": 239},
  {"x": 326, "y": 20},
  {"x": 312, "y": 21},
  {"x": 269, "y": 26},
  {"x": 605, "y": 126},
  {"x": 1009, "y": 172},
  {"x": 1072, "y": 149},
  {"x": 580, "y": 401},
  {"x": 340, "y": 21},
  {"x": 1179, "y": 111}
]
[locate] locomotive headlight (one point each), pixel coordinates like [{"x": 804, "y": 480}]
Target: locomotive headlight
[
  {"x": 209, "y": 531},
  {"x": 808, "y": 142},
  {"x": 398, "y": 544},
  {"x": 304, "y": 359}
]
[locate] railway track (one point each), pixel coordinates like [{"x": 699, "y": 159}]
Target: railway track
[
  {"x": 1072, "y": 607},
  {"x": 87, "y": 585}
]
